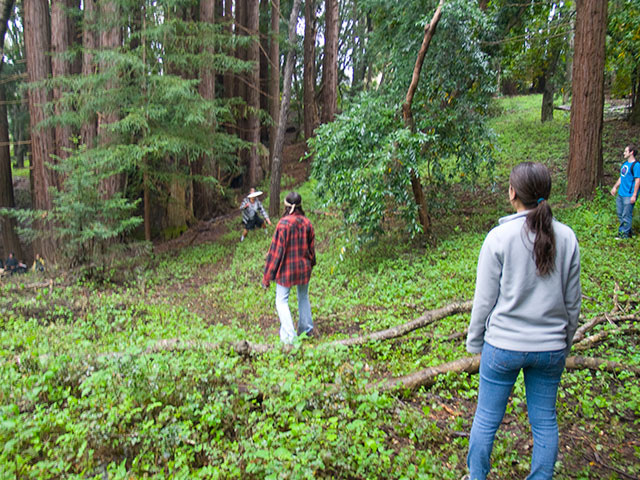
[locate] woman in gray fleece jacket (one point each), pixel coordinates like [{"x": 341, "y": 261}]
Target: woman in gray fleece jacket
[{"x": 525, "y": 313}]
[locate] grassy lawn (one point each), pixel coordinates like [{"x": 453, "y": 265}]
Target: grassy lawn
[{"x": 89, "y": 391}]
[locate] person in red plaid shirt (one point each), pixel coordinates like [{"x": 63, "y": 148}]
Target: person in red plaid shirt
[{"x": 290, "y": 260}]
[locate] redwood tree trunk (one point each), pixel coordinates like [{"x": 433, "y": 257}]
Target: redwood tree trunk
[
  {"x": 585, "y": 136},
  {"x": 10, "y": 240},
  {"x": 110, "y": 38},
  {"x": 274, "y": 75},
  {"x": 89, "y": 130},
  {"x": 228, "y": 81},
  {"x": 206, "y": 88},
  {"x": 274, "y": 190},
  {"x": 255, "y": 173},
  {"x": 240, "y": 88},
  {"x": 37, "y": 34},
  {"x": 61, "y": 41},
  {"x": 311, "y": 119},
  {"x": 330, "y": 63}
]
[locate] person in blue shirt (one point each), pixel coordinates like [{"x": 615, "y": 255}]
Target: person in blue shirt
[{"x": 627, "y": 187}]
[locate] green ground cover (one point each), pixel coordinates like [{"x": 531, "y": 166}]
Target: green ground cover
[{"x": 87, "y": 390}]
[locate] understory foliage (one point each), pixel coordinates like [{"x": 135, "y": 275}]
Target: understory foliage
[
  {"x": 369, "y": 141},
  {"x": 87, "y": 390},
  {"x": 153, "y": 123}
]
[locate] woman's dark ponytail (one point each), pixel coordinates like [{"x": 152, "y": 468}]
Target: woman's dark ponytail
[
  {"x": 532, "y": 185},
  {"x": 292, "y": 203}
]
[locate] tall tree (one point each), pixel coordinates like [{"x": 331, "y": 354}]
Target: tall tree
[
  {"x": 311, "y": 119},
  {"x": 330, "y": 61},
  {"x": 89, "y": 129},
  {"x": 228, "y": 78},
  {"x": 274, "y": 190},
  {"x": 206, "y": 88},
  {"x": 255, "y": 173},
  {"x": 274, "y": 75},
  {"x": 10, "y": 240},
  {"x": 585, "y": 135},
  {"x": 407, "y": 114},
  {"x": 623, "y": 56},
  {"x": 369, "y": 154},
  {"x": 37, "y": 32},
  {"x": 62, "y": 30},
  {"x": 110, "y": 40}
]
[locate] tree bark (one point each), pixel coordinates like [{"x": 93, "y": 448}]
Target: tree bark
[
  {"x": 37, "y": 33},
  {"x": 274, "y": 189},
  {"x": 546, "y": 111},
  {"x": 89, "y": 130},
  {"x": 240, "y": 89},
  {"x": 61, "y": 41},
  {"x": 227, "y": 81},
  {"x": 206, "y": 88},
  {"x": 311, "y": 119},
  {"x": 274, "y": 76},
  {"x": 416, "y": 186},
  {"x": 585, "y": 137},
  {"x": 10, "y": 240},
  {"x": 110, "y": 39},
  {"x": 634, "y": 115},
  {"x": 255, "y": 173},
  {"x": 330, "y": 62}
]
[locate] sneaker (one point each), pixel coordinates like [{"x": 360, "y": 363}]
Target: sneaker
[
  {"x": 466, "y": 477},
  {"x": 242, "y": 238}
]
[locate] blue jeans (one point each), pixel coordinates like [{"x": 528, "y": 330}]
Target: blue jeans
[
  {"x": 305, "y": 323},
  {"x": 624, "y": 208},
  {"x": 498, "y": 372}
]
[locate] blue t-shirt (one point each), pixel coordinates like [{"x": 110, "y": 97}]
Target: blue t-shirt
[{"x": 628, "y": 173}]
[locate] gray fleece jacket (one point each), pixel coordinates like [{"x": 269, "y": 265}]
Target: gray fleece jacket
[{"x": 513, "y": 307}]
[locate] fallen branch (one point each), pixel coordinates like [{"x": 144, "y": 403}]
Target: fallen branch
[
  {"x": 428, "y": 376},
  {"x": 581, "y": 332},
  {"x": 471, "y": 365},
  {"x": 403, "y": 329},
  {"x": 578, "y": 362}
]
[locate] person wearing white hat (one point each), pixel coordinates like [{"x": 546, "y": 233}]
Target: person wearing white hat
[{"x": 251, "y": 207}]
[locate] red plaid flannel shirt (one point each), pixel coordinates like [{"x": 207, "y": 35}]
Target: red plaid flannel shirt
[{"x": 292, "y": 254}]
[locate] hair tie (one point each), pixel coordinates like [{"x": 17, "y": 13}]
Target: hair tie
[
  {"x": 541, "y": 199},
  {"x": 292, "y": 205}
]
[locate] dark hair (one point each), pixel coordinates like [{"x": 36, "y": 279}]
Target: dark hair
[
  {"x": 293, "y": 198},
  {"x": 531, "y": 183},
  {"x": 633, "y": 149}
]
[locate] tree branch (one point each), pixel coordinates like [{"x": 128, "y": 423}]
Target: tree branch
[
  {"x": 471, "y": 365},
  {"x": 401, "y": 330}
]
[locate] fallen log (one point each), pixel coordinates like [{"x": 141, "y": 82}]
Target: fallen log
[
  {"x": 400, "y": 330},
  {"x": 471, "y": 365}
]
